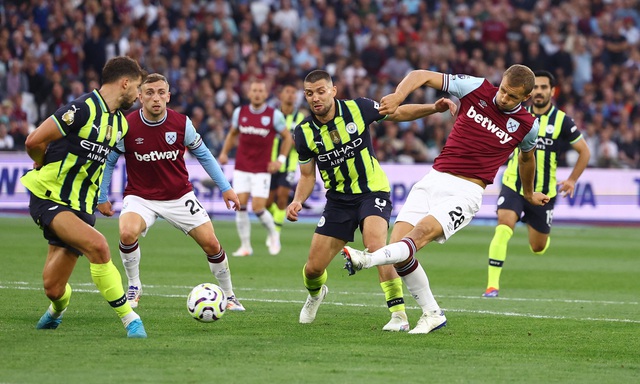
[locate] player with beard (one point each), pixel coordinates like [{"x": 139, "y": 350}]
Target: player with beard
[
  {"x": 557, "y": 130},
  {"x": 69, "y": 151}
]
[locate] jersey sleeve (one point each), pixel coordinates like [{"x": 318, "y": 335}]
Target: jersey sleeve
[
  {"x": 112, "y": 159},
  {"x": 192, "y": 138},
  {"x": 235, "y": 117},
  {"x": 530, "y": 140},
  {"x": 369, "y": 109},
  {"x": 460, "y": 85},
  {"x": 570, "y": 131},
  {"x": 279, "y": 122},
  {"x": 71, "y": 117},
  {"x": 304, "y": 152}
]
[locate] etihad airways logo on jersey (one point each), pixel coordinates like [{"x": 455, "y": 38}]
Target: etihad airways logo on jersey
[
  {"x": 251, "y": 130},
  {"x": 487, "y": 123},
  {"x": 339, "y": 155},
  {"x": 95, "y": 151},
  {"x": 156, "y": 155}
]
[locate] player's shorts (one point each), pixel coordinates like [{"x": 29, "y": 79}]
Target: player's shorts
[
  {"x": 539, "y": 218},
  {"x": 282, "y": 179},
  {"x": 43, "y": 211},
  {"x": 451, "y": 200},
  {"x": 256, "y": 184},
  {"x": 343, "y": 214},
  {"x": 185, "y": 213}
]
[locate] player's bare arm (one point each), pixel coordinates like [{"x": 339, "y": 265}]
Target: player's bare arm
[
  {"x": 410, "y": 112},
  {"x": 37, "y": 141},
  {"x": 305, "y": 186},
  {"x": 567, "y": 187},
  {"x": 285, "y": 148},
  {"x": 229, "y": 143},
  {"x": 527, "y": 170},
  {"x": 411, "y": 82}
]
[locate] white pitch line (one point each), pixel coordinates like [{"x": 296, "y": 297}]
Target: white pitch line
[{"x": 24, "y": 286}]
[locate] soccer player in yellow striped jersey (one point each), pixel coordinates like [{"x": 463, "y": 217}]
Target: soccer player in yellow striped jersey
[
  {"x": 283, "y": 179},
  {"x": 555, "y": 128},
  {"x": 69, "y": 151},
  {"x": 336, "y": 139}
]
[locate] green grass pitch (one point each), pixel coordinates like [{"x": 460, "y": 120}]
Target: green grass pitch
[{"x": 570, "y": 316}]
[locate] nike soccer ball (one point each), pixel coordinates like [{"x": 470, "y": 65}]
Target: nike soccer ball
[{"x": 206, "y": 302}]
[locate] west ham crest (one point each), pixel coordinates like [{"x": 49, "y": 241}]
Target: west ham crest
[
  {"x": 265, "y": 120},
  {"x": 170, "y": 137},
  {"x": 512, "y": 125}
]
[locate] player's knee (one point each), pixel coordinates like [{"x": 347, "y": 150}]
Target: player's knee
[
  {"x": 128, "y": 236},
  {"x": 97, "y": 251}
]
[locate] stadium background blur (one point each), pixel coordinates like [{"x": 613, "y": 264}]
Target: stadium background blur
[{"x": 53, "y": 51}]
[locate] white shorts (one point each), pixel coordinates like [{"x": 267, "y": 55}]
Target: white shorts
[
  {"x": 451, "y": 200},
  {"x": 256, "y": 184},
  {"x": 185, "y": 213}
]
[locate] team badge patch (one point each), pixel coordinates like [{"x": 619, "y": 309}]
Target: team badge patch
[
  {"x": 265, "y": 120},
  {"x": 512, "y": 125},
  {"x": 550, "y": 128},
  {"x": 69, "y": 116},
  {"x": 352, "y": 128},
  {"x": 170, "y": 137},
  {"x": 109, "y": 131},
  {"x": 335, "y": 137}
]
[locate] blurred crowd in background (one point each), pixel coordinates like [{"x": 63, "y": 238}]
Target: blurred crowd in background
[{"x": 53, "y": 51}]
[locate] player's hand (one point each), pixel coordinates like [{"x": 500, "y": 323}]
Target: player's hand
[
  {"x": 223, "y": 158},
  {"x": 443, "y": 104},
  {"x": 538, "y": 199},
  {"x": 230, "y": 197},
  {"x": 567, "y": 187},
  {"x": 293, "y": 209},
  {"x": 390, "y": 103},
  {"x": 274, "y": 166},
  {"x": 106, "y": 209}
]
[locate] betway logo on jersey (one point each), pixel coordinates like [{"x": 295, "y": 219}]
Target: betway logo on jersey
[
  {"x": 250, "y": 130},
  {"x": 155, "y": 155},
  {"x": 487, "y": 123},
  {"x": 338, "y": 156}
]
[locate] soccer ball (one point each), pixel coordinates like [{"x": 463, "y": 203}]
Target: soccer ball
[{"x": 206, "y": 302}]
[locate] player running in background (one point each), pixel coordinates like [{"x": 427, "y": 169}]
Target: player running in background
[
  {"x": 254, "y": 127},
  {"x": 158, "y": 185},
  {"x": 282, "y": 180},
  {"x": 69, "y": 151},
  {"x": 556, "y": 129},
  {"x": 336, "y": 138},
  {"x": 491, "y": 123}
]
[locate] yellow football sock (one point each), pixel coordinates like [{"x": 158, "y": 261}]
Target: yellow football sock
[
  {"x": 109, "y": 282},
  {"x": 393, "y": 294},
  {"x": 314, "y": 285},
  {"x": 62, "y": 303},
  {"x": 498, "y": 254},
  {"x": 543, "y": 250},
  {"x": 278, "y": 216}
]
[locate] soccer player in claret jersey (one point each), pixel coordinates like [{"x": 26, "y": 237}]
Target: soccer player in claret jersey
[
  {"x": 556, "y": 128},
  {"x": 282, "y": 180},
  {"x": 158, "y": 185},
  {"x": 255, "y": 126},
  {"x": 336, "y": 138},
  {"x": 69, "y": 150},
  {"x": 491, "y": 122}
]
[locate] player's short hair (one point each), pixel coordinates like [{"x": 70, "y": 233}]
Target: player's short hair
[
  {"x": 519, "y": 75},
  {"x": 317, "y": 75},
  {"x": 153, "y": 77},
  {"x": 548, "y": 75},
  {"x": 119, "y": 67}
]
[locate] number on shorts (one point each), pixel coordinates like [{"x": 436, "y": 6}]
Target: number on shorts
[
  {"x": 191, "y": 204},
  {"x": 456, "y": 217}
]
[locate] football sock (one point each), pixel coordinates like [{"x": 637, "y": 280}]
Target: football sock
[
  {"x": 314, "y": 285},
  {"x": 244, "y": 227},
  {"x": 278, "y": 217},
  {"x": 58, "y": 306},
  {"x": 107, "y": 278},
  {"x": 130, "y": 255},
  {"x": 393, "y": 253},
  {"x": 417, "y": 282},
  {"x": 543, "y": 250},
  {"x": 498, "y": 254},
  {"x": 219, "y": 266},
  {"x": 393, "y": 294},
  {"x": 267, "y": 220}
]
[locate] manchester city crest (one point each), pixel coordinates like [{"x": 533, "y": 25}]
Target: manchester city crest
[
  {"x": 170, "y": 137},
  {"x": 512, "y": 125},
  {"x": 352, "y": 128}
]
